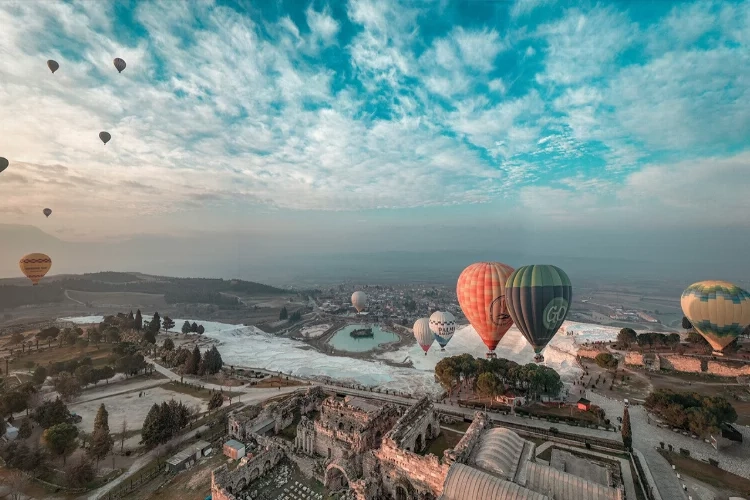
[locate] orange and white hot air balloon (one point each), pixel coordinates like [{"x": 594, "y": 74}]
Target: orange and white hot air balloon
[
  {"x": 481, "y": 295},
  {"x": 35, "y": 266}
]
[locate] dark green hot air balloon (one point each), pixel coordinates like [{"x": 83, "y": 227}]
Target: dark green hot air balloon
[{"x": 538, "y": 298}]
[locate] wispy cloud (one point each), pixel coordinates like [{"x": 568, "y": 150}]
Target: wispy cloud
[{"x": 367, "y": 105}]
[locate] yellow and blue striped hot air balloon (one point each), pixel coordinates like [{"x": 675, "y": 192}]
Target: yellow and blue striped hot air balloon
[{"x": 718, "y": 310}]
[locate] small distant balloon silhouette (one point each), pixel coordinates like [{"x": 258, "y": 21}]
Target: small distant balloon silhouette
[
  {"x": 105, "y": 137},
  {"x": 3, "y": 163},
  {"x": 119, "y": 64},
  {"x": 47, "y": 212},
  {"x": 52, "y": 65}
]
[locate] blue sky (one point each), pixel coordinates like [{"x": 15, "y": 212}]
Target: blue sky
[{"x": 294, "y": 115}]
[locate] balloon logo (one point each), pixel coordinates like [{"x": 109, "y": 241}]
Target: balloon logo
[
  {"x": 443, "y": 326},
  {"x": 555, "y": 312},
  {"x": 53, "y": 66},
  {"x": 35, "y": 266},
  {"x": 3, "y": 163},
  {"x": 119, "y": 64},
  {"x": 47, "y": 212},
  {"x": 499, "y": 312},
  {"x": 105, "y": 137}
]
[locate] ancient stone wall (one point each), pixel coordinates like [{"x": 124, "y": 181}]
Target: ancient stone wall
[
  {"x": 726, "y": 369},
  {"x": 634, "y": 359},
  {"x": 472, "y": 436},
  {"x": 680, "y": 363},
  {"x": 417, "y": 476},
  {"x": 237, "y": 422},
  {"x": 588, "y": 352},
  {"x": 416, "y": 427},
  {"x": 225, "y": 484}
]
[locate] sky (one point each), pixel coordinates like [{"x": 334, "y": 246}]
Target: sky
[{"x": 401, "y": 125}]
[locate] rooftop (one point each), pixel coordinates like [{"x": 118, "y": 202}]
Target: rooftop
[
  {"x": 233, "y": 443},
  {"x": 189, "y": 451}
]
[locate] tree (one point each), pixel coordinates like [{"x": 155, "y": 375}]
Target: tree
[
  {"x": 149, "y": 336},
  {"x": 186, "y": 327},
  {"x": 138, "y": 325},
  {"x": 61, "y": 439},
  {"x": 686, "y": 324},
  {"x": 215, "y": 401},
  {"x": 112, "y": 334},
  {"x": 24, "y": 430},
  {"x": 486, "y": 384},
  {"x": 167, "y": 324},
  {"x": 194, "y": 327},
  {"x": 193, "y": 363},
  {"x": 67, "y": 386},
  {"x": 211, "y": 362},
  {"x": 80, "y": 473},
  {"x": 606, "y": 360},
  {"x": 51, "y": 413},
  {"x": 101, "y": 441},
  {"x": 155, "y": 324},
  {"x": 626, "y": 337},
  {"x": 201, "y": 330},
  {"x": 16, "y": 338},
  {"x": 295, "y": 316},
  {"x": 95, "y": 335},
  {"x": 163, "y": 422},
  {"x": 14, "y": 402},
  {"x": 168, "y": 344},
  {"x": 283, "y": 314},
  {"x": 40, "y": 375},
  {"x": 627, "y": 435}
]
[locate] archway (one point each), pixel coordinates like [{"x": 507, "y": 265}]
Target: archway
[
  {"x": 254, "y": 474},
  {"x": 335, "y": 478},
  {"x": 241, "y": 484},
  {"x": 418, "y": 444},
  {"x": 267, "y": 466},
  {"x": 401, "y": 493},
  {"x": 428, "y": 434}
]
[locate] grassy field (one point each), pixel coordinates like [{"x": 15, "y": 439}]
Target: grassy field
[
  {"x": 276, "y": 381},
  {"x": 46, "y": 356},
  {"x": 707, "y": 473},
  {"x": 191, "y": 390}
]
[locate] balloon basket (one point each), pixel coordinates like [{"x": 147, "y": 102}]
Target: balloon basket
[
  {"x": 491, "y": 355},
  {"x": 442, "y": 349},
  {"x": 538, "y": 358}
]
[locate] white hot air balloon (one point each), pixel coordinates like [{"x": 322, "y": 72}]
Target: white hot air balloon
[
  {"x": 443, "y": 325},
  {"x": 423, "y": 334},
  {"x": 359, "y": 301}
]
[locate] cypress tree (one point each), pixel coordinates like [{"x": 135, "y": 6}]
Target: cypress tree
[
  {"x": 193, "y": 363},
  {"x": 194, "y": 327},
  {"x": 138, "y": 320},
  {"x": 101, "y": 441},
  {"x": 155, "y": 324},
  {"x": 186, "y": 327}
]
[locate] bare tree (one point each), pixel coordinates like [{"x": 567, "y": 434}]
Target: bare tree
[{"x": 123, "y": 431}]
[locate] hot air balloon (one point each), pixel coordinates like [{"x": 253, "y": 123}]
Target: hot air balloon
[
  {"x": 3, "y": 163},
  {"x": 119, "y": 64},
  {"x": 53, "y": 66},
  {"x": 105, "y": 137},
  {"x": 481, "y": 295},
  {"x": 538, "y": 299},
  {"x": 35, "y": 266},
  {"x": 47, "y": 212},
  {"x": 423, "y": 334},
  {"x": 718, "y": 310},
  {"x": 443, "y": 325},
  {"x": 359, "y": 301}
]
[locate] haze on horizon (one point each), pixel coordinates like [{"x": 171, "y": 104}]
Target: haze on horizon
[{"x": 265, "y": 139}]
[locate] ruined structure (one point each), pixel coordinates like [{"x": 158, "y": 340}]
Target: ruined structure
[
  {"x": 344, "y": 428},
  {"x": 366, "y": 448}
]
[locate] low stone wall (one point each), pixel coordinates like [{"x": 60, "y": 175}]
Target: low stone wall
[
  {"x": 417, "y": 475},
  {"x": 725, "y": 369},
  {"x": 680, "y": 363},
  {"x": 588, "y": 353}
]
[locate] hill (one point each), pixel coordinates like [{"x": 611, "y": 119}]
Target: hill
[{"x": 219, "y": 292}]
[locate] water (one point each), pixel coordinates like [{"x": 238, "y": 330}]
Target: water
[{"x": 342, "y": 341}]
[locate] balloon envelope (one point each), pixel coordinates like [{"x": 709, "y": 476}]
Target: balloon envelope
[
  {"x": 3, "y": 163},
  {"x": 119, "y": 64},
  {"x": 35, "y": 266},
  {"x": 423, "y": 334},
  {"x": 47, "y": 212},
  {"x": 443, "y": 325},
  {"x": 481, "y": 295},
  {"x": 359, "y": 301},
  {"x": 718, "y": 310},
  {"x": 538, "y": 299},
  {"x": 105, "y": 137},
  {"x": 52, "y": 65}
]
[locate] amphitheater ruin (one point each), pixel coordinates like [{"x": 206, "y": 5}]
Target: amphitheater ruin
[{"x": 365, "y": 449}]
